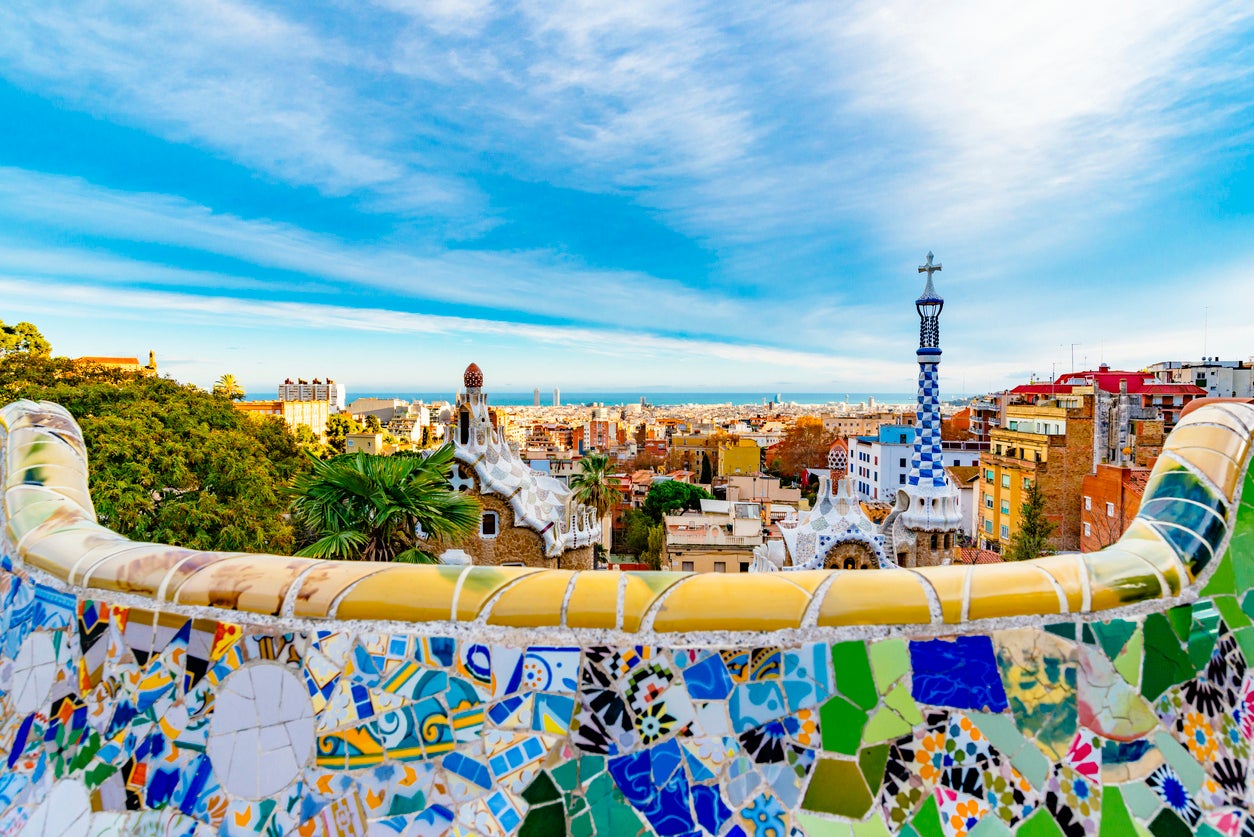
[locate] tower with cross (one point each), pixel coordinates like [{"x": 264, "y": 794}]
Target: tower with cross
[{"x": 926, "y": 518}]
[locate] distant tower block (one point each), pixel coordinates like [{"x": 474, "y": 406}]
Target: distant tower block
[
  {"x": 557, "y": 397},
  {"x": 535, "y": 397},
  {"x": 926, "y": 519}
]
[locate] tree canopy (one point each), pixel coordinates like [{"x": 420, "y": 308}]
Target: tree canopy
[
  {"x": 1032, "y": 538},
  {"x": 671, "y": 495},
  {"x": 169, "y": 462},
  {"x": 22, "y": 338},
  {"x": 367, "y": 507},
  {"x": 804, "y": 446},
  {"x": 228, "y": 387},
  {"x": 592, "y": 487}
]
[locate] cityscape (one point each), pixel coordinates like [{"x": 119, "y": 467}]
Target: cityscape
[{"x": 499, "y": 419}]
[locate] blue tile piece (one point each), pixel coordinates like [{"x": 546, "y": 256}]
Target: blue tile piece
[
  {"x": 711, "y": 812},
  {"x": 667, "y": 808},
  {"x": 959, "y": 673},
  {"x": 708, "y": 679},
  {"x": 755, "y": 704}
]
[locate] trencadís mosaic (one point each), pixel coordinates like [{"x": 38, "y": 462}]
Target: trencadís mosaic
[{"x": 126, "y": 711}]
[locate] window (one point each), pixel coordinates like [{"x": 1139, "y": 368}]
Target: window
[
  {"x": 1005, "y": 480},
  {"x": 1110, "y": 509},
  {"x": 901, "y": 479},
  {"x": 988, "y": 475},
  {"x": 934, "y": 543},
  {"x": 1027, "y": 483},
  {"x": 1088, "y": 503},
  {"x": 720, "y": 566},
  {"x": 901, "y": 463},
  {"x": 988, "y": 526},
  {"x": 744, "y": 566},
  {"x": 988, "y": 501},
  {"x": 488, "y": 525},
  {"x": 1088, "y": 531},
  {"x": 686, "y": 566},
  {"x": 1005, "y": 507},
  {"x": 1005, "y": 531}
]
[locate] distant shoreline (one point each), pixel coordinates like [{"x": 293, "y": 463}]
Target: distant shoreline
[{"x": 656, "y": 399}]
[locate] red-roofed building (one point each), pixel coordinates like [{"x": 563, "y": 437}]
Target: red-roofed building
[
  {"x": 1144, "y": 390},
  {"x": 1110, "y": 499}
]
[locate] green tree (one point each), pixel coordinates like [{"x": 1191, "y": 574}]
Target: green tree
[
  {"x": 707, "y": 473},
  {"x": 1032, "y": 538},
  {"x": 671, "y": 495},
  {"x": 370, "y": 508},
  {"x": 656, "y": 547},
  {"x": 24, "y": 338},
  {"x": 636, "y": 525},
  {"x": 228, "y": 387},
  {"x": 166, "y": 462},
  {"x": 339, "y": 425},
  {"x": 373, "y": 425},
  {"x": 593, "y": 487}
]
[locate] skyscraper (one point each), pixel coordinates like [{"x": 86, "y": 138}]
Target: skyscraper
[
  {"x": 557, "y": 397},
  {"x": 535, "y": 395}
]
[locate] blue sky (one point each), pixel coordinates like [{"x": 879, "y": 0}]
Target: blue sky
[{"x": 626, "y": 196}]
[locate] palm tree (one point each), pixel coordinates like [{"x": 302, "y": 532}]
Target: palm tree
[
  {"x": 592, "y": 487},
  {"x": 229, "y": 387},
  {"x": 371, "y": 508}
]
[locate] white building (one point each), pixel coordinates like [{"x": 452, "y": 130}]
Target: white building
[
  {"x": 1220, "y": 378},
  {"x": 302, "y": 390},
  {"x": 880, "y": 465}
]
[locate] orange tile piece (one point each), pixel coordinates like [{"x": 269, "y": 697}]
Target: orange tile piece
[
  {"x": 78, "y": 545},
  {"x": 594, "y": 601},
  {"x": 1011, "y": 589},
  {"x": 731, "y": 602},
  {"x": 320, "y": 586},
  {"x": 875, "y": 597},
  {"x": 480, "y": 584},
  {"x": 533, "y": 602},
  {"x": 949, "y": 583},
  {"x": 642, "y": 591},
  {"x": 254, "y": 583},
  {"x": 1219, "y": 439},
  {"x": 405, "y": 592}
]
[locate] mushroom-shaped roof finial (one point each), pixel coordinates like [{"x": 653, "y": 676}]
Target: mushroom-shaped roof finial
[{"x": 473, "y": 377}]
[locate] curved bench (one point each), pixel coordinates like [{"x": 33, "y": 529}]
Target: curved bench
[{"x": 148, "y": 686}]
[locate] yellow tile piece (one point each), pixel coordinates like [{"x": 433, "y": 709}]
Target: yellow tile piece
[
  {"x": 875, "y": 597},
  {"x": 533, "y": 602},
  {"x": 1221, "y": 470},
  {"x": 949, "y": 583},
  {"x": 35, "y": 446},
  {"x": 1239, "y": 417},
  {"x": 320, "y": 586},
  {"x": 594, "y": 601},
  {"x": 1011, "y": 589},
  {"x": 34, "y": 512},
  {"x": 61, "y": 551},
  {"x": 1118, "y": 577},
  {"x": 642, "y": 592},
  {"x": 731, "y": 602},
  {"x": 138, "y": 569},
  {"x": 808, "y": 580},
  {"x": 406, "y": 593},
  {"x": 1066, "y": 570},
  {"x": 1143, "y": 540},
  {"x": 481, "y": 583},
  {"x": 1223, "y": 440},
  {"x": 254, "y": 583}
]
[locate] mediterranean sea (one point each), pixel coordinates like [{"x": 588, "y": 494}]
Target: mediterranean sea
[{"x": 656, "y": 398}]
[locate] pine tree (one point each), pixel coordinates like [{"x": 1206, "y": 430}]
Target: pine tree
[
  {"x": 707, "y": 474},
  {"x": 1032, "y": 538}
]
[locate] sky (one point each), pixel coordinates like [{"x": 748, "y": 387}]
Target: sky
[{"x": 630, "y": 196}]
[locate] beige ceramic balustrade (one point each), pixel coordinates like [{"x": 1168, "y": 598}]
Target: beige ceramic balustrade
[{"x": 1187, "y": 513}]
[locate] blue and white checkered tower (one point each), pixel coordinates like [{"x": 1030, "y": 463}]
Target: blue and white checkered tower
[{"x": 928, "y": 516}]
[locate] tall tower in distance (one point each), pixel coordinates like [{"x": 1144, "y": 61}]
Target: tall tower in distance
[
  {"x": 926, "y": 519},
  {"x": 557, "y": 397},
  {"x": 535, "y": 397}
]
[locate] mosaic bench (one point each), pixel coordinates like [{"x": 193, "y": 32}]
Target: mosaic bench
[{"x": 146, "y": 689}]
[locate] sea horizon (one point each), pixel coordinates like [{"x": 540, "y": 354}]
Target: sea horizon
[{"x": 616, "y": 398}]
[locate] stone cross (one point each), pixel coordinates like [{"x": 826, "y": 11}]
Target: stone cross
[{"x": 929, "y": 268}]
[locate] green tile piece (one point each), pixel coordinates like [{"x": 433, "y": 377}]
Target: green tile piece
[
  {"x": 852, "y": 668},
  {"x": 1033, "y": 765},
  {"x": 1180, "y": 618},
  {"x": 1231, "y": 612},
  {"x": 1245, "y": 639},
  {"x": 818, "y": 827},
  {"x": 1203, "y": 635},
  {"x": 989, "y": 826},
  {"x": 1000, "y": 730},
  {"x": 873, "y": 827},
  {"x": 1140, "y": 799},
  {"x": 1087, "y": 637},
  {"x": 612, "y": 814},
  {"x": 1223, "y": 580},
  {"x": 837, "y": 787},
  {"x": 544, "y": 820},
  {"x": 1128, "y": 663},
  {"x": 899, "y": 700},
  {"x": 1066, "y": 630},
  {"x": 890, "y": 659},
  {"x": 1187, "y": 767},
  {"x": 872, "y": 761},
  {"x": 1040, "y": 824},
  {"x": 1116, "y": 821},
  {"x": 841, "y": 724},
  {"x": 581, "y": 825},
  {"x": 1165, "y": 663},
  {"x": 1247, "y": 603},
  {"x": 541, "y": 790},
  {"x": 927, "y": 822},
  {"x": 1204, "y": 830},
  {"x": 1112, "y": 636},
  {"x": 907, "y": 830},
  {"x": 884, "y": 725},
  {"x": 566, "y": 774},
  {"x": 1167, "y": 824}
]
